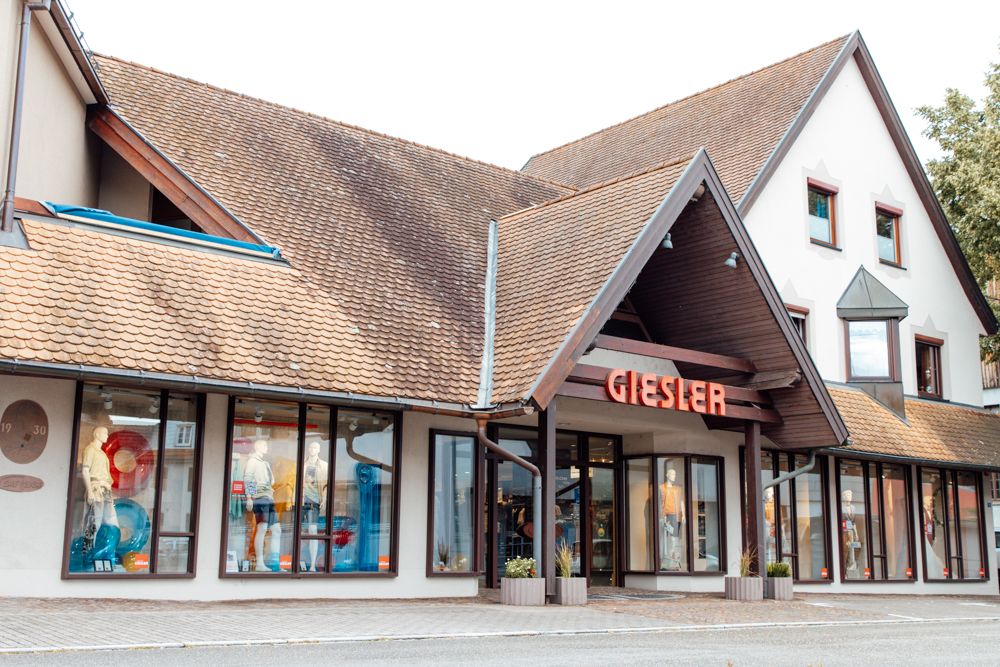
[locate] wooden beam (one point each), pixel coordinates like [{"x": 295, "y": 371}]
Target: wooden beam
[
  {"x": 754, "y": 497},
  {"x": 765, "y": 380},
  {"x": 674, "y": 354},
  {"x": 176, "y": 186},
  {"x": 595, "y": 393},
  {"x": 595, "y": 375}
]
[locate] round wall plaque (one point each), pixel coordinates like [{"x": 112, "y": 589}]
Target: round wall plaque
[{"x": 24, "y": 431}]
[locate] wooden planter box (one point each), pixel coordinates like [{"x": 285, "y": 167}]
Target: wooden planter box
[
  {"x": 746, "y": 589},
  {"x": 527, "y": 592},
  {"x": 779, "y": 588},
  {"x": 570, "y": 591}
]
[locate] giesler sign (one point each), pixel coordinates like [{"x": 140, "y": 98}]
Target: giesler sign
[{"x": 707, "y": 398}]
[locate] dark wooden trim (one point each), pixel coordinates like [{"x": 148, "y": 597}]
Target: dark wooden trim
[
  {"x": 69, "y": 36},
  {"x": 928, "y": 340},
  {"x": 799, "y": 310},
  {"x": 71, "y": 482},
  {"x": 596, "y": 393},
  {"x": 756, "y": 540},
  {"x": 298, "y": 495},
  {"x": 547, "y": 439},
  {"x": 596, "y": 375},
  {"x": 154, "y": 550},
  {"x": 166, "y": 177},
  {"x": 820, "y": 186},
  {"x": 199, "y": 462},
  {"x": 397, "y": 482},
  {"x": 890, "y": 211},
  {"x": 765, "y": 380},
  {"x": 640, "y": 348},
  {"x": 476, "y": 528},
  {"x": 226, "y": 487}
]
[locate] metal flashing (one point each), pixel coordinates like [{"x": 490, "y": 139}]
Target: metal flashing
[
  {"x": 867, "y": 297},
  {"x": 15, "y": 238}
]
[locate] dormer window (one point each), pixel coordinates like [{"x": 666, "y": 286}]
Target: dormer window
[
  {"x": 822, "y": 221},
  {"x": 869, "y": 350}
]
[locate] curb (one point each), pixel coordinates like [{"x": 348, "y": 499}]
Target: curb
[{"x": 479, "y": 635}]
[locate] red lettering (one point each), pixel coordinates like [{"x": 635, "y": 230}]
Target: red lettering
[
  {"x": 681, "y": 401},
  {"x": 633, "y": 387},
  {"x": 696, "y": 396},
  {"x": 615, "y": 392},
  {"x": 647, "y": 393},
  {"x": 666, "y": 382},
  {"x": 716, "y": 399}
]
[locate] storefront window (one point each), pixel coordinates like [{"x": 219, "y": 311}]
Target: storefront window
[
  {"x": 874, "y": 521},
  {"x": 639, "y": 504},
  {"x": 953, "y": 540},
  {"x": 135, "y": 485},
  {"x": 339, "y": 519},
  {"x": 689, "y": 520},
  {"x": 454, "y": 463}
]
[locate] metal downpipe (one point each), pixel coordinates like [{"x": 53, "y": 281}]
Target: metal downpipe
[
  {"x": 795, "y": 473},
  {"x": 536, "y": 488}
]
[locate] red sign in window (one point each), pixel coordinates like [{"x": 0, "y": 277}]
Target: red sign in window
[
  {"x": 823, "y": 573},
  {"x": 868, "y": 573},
  {"x": 285, "y": 563},
  {"x": 909, "y": 573},
  {"x": 383, "y": 562},
  {"x": 843, "y": 524},
  {"x": 238, "y": 488},
  {"x": 141, "y": 561},
  {"x": 945, "y": 572},
  {"x": 982, "y": 572}
]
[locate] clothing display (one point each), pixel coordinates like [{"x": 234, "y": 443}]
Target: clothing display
[{"x": 258, "y": 471}]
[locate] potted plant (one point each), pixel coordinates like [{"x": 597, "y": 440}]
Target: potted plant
[
  {"x": 521, "y": 585},
  {"x": 747, "y": 587},
  {"x": 570, "y": 590},
  {"x": 443, "y": 551},
  {"x": 779, "y": 581}
]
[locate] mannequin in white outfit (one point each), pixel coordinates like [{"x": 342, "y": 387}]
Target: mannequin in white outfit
[{"x": 261, "y": 502}]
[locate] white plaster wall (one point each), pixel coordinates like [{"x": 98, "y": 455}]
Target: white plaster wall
[
  {"x": 846, "y": 144},
  {"x": 124, "y": 191},
  {"x": 59, "y": 158}
]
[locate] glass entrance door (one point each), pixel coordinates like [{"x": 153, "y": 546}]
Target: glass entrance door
[{"x": 603, "y": 542}]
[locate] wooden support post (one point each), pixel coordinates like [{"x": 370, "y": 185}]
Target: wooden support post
[
  {"x": 547, "y": 461},
  {"x": 754, "y": 498}
]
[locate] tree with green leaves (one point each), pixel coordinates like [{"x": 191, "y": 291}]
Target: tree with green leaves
[{"x": 967, "y": 180}]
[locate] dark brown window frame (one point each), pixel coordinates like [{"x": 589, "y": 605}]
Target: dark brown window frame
[
  {"x": 799, "y": 314},
  {"x": 936, "y": 344},
  {"x": 866, "y": 463},
  {"x": 821, "y": 461},
  {"x": 983, "y": 544},
  {"x": 830, "y": 191},
  {"x": 294, "y": 573},
  {"x": 897, "y": 216},
  {"x": 155, "y": 533},
  {"x": 477, "y": 501},
  {"x": 893, "y": 349},
  {"x": 654, "y": 518}
]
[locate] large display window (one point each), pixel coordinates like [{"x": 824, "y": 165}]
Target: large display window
[
  {"x": 133, "y": 508},
  {"x": 675, "y": 514},
  {"x": 453, "y": 521},
  {"x": 310, "y": 490},
  {"x": 951, "y": 525},
  {"x": 876, "y": 536}
]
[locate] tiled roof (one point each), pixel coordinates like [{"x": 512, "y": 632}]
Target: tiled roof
[
  {"x": 553, "y": 261},
  {"x": 739, "y": 122},
  {"x": 145, "y": 305},
  {"x": 936, "y": 431},
  {"x": 394, "y": 231}
]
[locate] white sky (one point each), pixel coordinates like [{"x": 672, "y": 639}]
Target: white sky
[{"x": 500, "y": 82}]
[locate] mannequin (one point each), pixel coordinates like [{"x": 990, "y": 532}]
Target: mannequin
[
  {"x": 930, "y": 530},
  {"x": 771, "y": 545},
  {"x": 314, "y": 496},
  {"x": 672, "y": 520},
  {"x": 850, "y": 530},
  {"x": 96, "y": 472},
  {"x": 260, "y": 500}
]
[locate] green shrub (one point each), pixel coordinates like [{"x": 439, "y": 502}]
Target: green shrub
[
  {"x": 777, "y": 569},
  {"x": 521, "y": 568}
]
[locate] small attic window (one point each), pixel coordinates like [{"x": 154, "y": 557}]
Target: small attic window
[{"x": 165, "y": 213}]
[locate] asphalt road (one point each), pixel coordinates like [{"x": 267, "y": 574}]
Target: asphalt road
[{"x": 937, "y": 644}]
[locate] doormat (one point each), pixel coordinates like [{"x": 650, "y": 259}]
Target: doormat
[{"x": 636, "y": 596}]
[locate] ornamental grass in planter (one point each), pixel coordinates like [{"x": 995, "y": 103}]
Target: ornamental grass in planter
[
  {"x": 747, "y": 587},
  {"x": 570, "y": 590},
  {"x": 521, "y": 585},
  {"x": 779, "y": 581}
]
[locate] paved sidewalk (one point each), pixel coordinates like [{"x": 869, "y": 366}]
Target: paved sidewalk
[{"x": 67, "y": 624}]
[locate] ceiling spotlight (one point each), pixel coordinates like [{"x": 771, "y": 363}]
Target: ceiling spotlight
[
  {"x": 154, "y": 407},
  {"x": 376, "y": 421},
  {"x": 731, "y": 262},
  {"x": 354, "y": 425},
  {"x": 665, "y": 243},
  {"x": 257, "y": 416},
  {"x": 107, "y": 401}
]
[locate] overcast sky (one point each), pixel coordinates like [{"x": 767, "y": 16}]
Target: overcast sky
[{"x": 502, "y": 81}]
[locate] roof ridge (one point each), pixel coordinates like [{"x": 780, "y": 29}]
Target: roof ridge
[
  {"x": 604, "y": 184},
  {"x": 327, "y": 119},
  {"x": 688, "y": 97}
]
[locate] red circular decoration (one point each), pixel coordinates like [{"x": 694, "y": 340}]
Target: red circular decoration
[
  {"x": 130, "y": 482},
  {"x": 242, "y": 445}
]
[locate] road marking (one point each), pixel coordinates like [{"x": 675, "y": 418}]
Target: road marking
[
  {"x": 822, "y": 604},
  {"x": 912, "y": 618},
  {"x": 976, "y": 604}
]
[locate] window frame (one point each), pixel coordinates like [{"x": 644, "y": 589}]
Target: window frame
[
  {"x": 984, "y": 546},
  {"x": 867, "y": 464},
  {"x": 935, "y": 344},
  {"x": 478, "y": 500},
  {"x": 294, "y": 573},
  {"x": 897, "y": 215},
  {"x": 995, "y": 485},
  {"x": 831, "y": 191},
  {"x": 155, "y": 532},
  {"x": 892, "y": 345},
  {"x": 654, "y": 517},
  {"x": 799, "y": 314}
]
